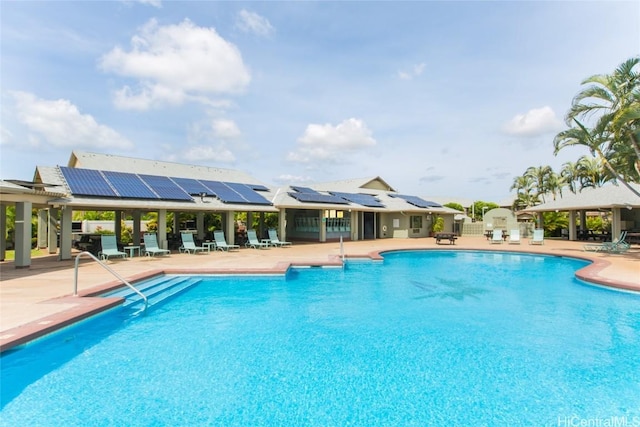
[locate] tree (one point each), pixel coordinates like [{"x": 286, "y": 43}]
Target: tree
[
  {"x": 525, "y": 195},
  {"x": 591, "y": 173},
  {"x": 605, "y": 118}
]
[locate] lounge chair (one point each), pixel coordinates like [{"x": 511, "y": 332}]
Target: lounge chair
[
  {"x": 189, "y": 246},
  {"x": 618, "y": 245},
  {"x": 151, "y": 247},
  {"x": 274, "y": 241},
  {"x": 538, "y": 237},
  {"x": 496, "y": 237},
  {"x": 514, "y": 237},
  {"x": 253, "y": 242},
  {"x": 221, "y": 242},
  {"x": 109, "y": 247}
]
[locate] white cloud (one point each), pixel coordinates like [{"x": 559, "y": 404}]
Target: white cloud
[
  {"x": 251, "y": 22},
  {"x": 535, "y": 122},
  {"x": 6, "y": 137},
  {"x": 203, "y": 153},
  {"x": 417, "y": 70},
  {"x": 61, "y": 124},
  {"x": 329, "y": 143},
  {"x": 225, "y": 129},
  {"x": 154, "y": 3},
  {"x": 293, "y": 179},
  {"x": 175, "y": 64}
]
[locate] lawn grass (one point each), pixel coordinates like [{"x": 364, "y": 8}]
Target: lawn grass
[{"x": 11, "y": 255}]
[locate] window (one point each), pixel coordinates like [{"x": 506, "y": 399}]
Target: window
[{"x": 415, "y": 221}]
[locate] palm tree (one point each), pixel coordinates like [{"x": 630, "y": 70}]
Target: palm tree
[
  {"x": 525, "y": 195},
  {"x": 612, "y": 104},
  {"x": 591, "y": 173},
  {"x": 555, "y": 183},
  {"x": 540, "y": 176},
  {"x": 570, "y": 175}
]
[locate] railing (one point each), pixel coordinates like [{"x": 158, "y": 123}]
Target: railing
[{"x": 110, "y": 270}]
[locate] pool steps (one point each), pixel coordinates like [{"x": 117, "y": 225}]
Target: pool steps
[{"x": 156, "y": 291}]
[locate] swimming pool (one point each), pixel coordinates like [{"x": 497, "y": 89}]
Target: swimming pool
[{"x": 422, "y": 338}]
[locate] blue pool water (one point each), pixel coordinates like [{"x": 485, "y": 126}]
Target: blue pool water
[{"x": 423, "y": 338}]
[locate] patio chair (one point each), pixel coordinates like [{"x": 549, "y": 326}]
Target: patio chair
[
  {"x": 538, "y": 237},
  {"x": 253, "y": 242},
  {"x": 618, "y": 245},
  {"x": 496, "y": 237},
  {"x": 274, "y": 241},
  {"x": 151, "y": 247},
  {"x": 514, "y": 237},
  {"x": 221, "y": 242},
  {"x": 189, "y": 246},
  {"x": 109, "y": 247}
]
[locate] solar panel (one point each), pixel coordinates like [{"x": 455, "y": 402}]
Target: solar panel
[
  {"x": 304, "y": 190},
  {"x": 359, "y": 198},
  {"x": 87, "y": 182},
  {"x": 247, "y": 193},
  {"x": 318, "y": 198},
  {"x": 129, "y": 185},
  {"x": 165, "y": 188},
  {"x": 258, "y": 187},
  {"x": 191, "y": 186},
  {"x": 416, "y": 201},
  {"x": 223, "y": 192}
]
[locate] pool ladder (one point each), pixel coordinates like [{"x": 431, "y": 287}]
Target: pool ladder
[{"x": 110, "y": 270}]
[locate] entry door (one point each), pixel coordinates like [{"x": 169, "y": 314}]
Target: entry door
[{"x": 368, "y": 226}]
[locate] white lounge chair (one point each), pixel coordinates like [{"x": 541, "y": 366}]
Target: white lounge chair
[
  {"x": 221, "y": 242},
  {"x": 151, "y": 247},
  {"x": 274, "y": 241},
  {"x": 189, "y": 246},
  {"x": 618, "y": 245},
  {"x": 496, "y": 237},
  {"x": 538, "y": 237},
  {"x": 514, "y": 237},
  {"x": 253, "y": 242},
  {"x": 109, "y": 247}
]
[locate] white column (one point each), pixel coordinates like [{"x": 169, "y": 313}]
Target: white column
[
  {"x": 229, "y": 227},
  {"x": 572, "y": 226},
  {"x": 42, "y": 228},
  {"x": 117, "y": 226},
  {"x": 52, "y": 239},
  {"x": 282, "y": 224},
  {"x": 176, "y": 223},
  {"x": 65, "y": 233},
  {"x": 323, "y": 226},
  {"x": 162, "y": 229},
  {"x": 136, "y": 234},
  {"x": 23, "y": 235},
  {"x": 200, "y": 225},
  {"x": 3, "y": 232},
  {"x": 354, "y": 225},
  {"x": 616, "y": 226}
]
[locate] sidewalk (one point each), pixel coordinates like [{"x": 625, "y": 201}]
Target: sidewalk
[{"x": 38, "y": 299}]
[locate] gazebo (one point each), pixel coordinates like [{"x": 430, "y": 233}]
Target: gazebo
[{"x": 620, "y": 201}]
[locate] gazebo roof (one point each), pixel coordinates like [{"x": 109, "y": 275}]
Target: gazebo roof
[{"x": 609, "y": 196}]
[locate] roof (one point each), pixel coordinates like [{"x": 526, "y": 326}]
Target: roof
[
  {"x": 109, "y": 162},
  {"x": 56, "y": 179},
  {"x": 348, "y": 185},
  {"x": 609, "y": 196}
]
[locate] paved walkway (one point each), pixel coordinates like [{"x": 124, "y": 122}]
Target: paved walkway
[{"x": 39, "y": 299}]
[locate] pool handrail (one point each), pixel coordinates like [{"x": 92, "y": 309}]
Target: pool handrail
[{"x": 110, "y": 270}]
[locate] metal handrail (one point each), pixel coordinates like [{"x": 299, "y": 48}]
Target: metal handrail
[{"x": 110, "y": 270}]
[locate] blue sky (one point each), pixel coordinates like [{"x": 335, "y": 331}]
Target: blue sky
[{"x": 448, "y": 99}]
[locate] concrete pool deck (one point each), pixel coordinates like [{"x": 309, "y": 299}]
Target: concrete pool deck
[{"x": 39, "y": 299}]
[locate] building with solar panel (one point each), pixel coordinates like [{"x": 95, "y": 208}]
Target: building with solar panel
[{"x": 357, "y": 209}]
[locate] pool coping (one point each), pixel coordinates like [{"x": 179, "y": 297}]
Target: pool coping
[{"x": 89, "y": 302}]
